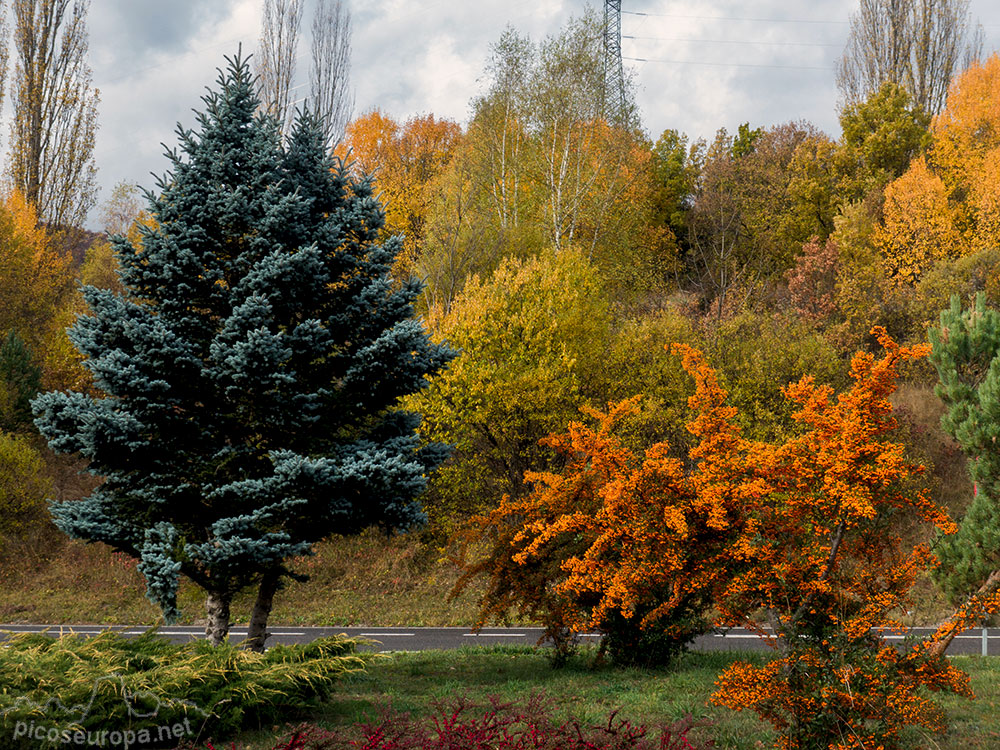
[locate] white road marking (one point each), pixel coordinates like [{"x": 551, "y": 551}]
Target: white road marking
[
  {"x": 493, "y": 635},
  {"x": 385, "y": 635}
]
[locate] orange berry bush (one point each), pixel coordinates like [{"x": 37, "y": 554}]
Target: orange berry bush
[
  {"x": 796, "y": 539},
  {"x": 828, "y": 569},
  {"x": 630, "y": 543}
]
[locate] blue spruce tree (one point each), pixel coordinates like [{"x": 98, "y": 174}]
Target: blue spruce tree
[{"x": 251, "y": 370}]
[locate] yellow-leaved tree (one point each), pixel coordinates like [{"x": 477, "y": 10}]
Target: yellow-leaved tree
[
  {"x": 917, "y": 229},
  {"x": 404, "y": 159},
  {"x": 531, "y": 338}
]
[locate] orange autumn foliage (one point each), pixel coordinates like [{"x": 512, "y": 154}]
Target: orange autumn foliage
[
  {"x": 621, "y": 540},
  {"x": 798, "y": 535},
  {"x": 829, "y": 570},
  {"x": 404, "y": 159}
]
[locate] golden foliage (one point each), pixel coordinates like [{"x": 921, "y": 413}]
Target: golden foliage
[
  {"x": 918, "y": 230},
  {"x": 35, "y": 278},
  {"x": 404, "y": 159}
]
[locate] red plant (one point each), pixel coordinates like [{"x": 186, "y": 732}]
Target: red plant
[{"x": 460, "y": 724}]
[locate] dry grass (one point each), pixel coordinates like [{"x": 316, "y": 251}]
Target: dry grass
[{"x": 370, "y": 579}]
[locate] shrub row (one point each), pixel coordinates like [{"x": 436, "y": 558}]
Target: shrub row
[{"x": 111, "y": 690}]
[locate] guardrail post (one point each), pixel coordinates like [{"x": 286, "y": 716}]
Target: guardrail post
[{"x": 986, "y": 642}]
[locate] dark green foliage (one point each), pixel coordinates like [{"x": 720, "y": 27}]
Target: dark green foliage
[
  {"x": 745, "y": 140},
  {"x": 881, "y": 136},
  {"x": 628, "y": 644},
  {"x": 252, "y": 367},
  {"x": 675, "y": 172},
  {"x": 113, "y": 683},
  {"x": 20, "y": 381},
  {"x": 966, "y": 353}
]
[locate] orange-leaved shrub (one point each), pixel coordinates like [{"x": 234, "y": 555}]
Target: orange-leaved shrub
[
  {"x": 797, "y": 538},
  {"x": 630, "y": 543},
  {"x": 827, "y": 570}
]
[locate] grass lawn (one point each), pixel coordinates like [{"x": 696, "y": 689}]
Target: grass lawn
[{"x": 413, "y": 682}]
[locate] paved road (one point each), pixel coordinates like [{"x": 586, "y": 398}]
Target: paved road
[{"x": 422, "y": 639}]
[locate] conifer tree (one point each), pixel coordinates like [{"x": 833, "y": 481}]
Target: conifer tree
[
  {"x": 251, "y": 368},
  {"x": 20, "y": 380},
  {"x": 966, "y": 353}
]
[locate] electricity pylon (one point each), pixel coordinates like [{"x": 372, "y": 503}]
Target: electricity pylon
[{"x": 613, "y": 99}]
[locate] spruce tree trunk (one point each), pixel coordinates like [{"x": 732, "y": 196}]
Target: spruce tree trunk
[
  {"x": 257, "y": 632},
  {"x": 217, "y": 607}
]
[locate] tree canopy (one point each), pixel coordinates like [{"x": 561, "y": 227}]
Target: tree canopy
[{"x": 250, "y": 373}]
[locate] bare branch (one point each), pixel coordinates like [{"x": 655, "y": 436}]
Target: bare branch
[
  {"x": 918, "y": 44},
  {"x": 330, "y": 95},
  {"x": 55, "y": 111},
  {"x": 275, "y": 59}
]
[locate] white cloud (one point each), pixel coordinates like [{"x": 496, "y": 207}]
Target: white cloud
[{"x": 153, "y": 59}]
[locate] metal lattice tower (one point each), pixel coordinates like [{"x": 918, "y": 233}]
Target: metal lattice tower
[{"x": 614, "y": 76}]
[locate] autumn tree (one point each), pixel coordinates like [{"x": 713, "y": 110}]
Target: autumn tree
[
  {"x": 251, "y": 409},
  {"x": 35, "y": 276},
  {"x": 916, "y": 44},
  {"x": 864, "y": 294},
  {"x": 461, "y": 237},
  {"x": 967, "y": 276},
  {"x": 403, "y": 160},
  {"x": 966, "y": 152},
  {"x": 718, "y": 262},
  {"x": 881, "y": 136},
  {"x": 917, "y": 229},
  {"x": 753, "y": 209},
  {"x": 55, "y": 111},
  {"x": 530, "y": 340},
  {"x": 551, "y": 171},
  {"x": 812, "y": 281}
]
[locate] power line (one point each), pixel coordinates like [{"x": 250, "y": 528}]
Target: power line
[
  {"x": 734, "y": 18},
  {"x": 727, "y": 65},
  {"x": 730, "y": 41}
]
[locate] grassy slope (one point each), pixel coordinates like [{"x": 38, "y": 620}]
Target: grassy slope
[{"x": 366, "y": 580}]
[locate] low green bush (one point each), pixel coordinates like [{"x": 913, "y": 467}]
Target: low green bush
[{"x": 116, "y": 692}]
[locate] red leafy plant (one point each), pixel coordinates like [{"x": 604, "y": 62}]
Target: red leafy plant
[{"x": 461, "y": 724}]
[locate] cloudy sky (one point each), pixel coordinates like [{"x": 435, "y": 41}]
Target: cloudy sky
[{"x": 699, "y": 64}]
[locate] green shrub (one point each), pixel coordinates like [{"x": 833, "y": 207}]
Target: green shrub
[
  {"x": 23, "y": 487},
  {"x": 51, "y": 688}
]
